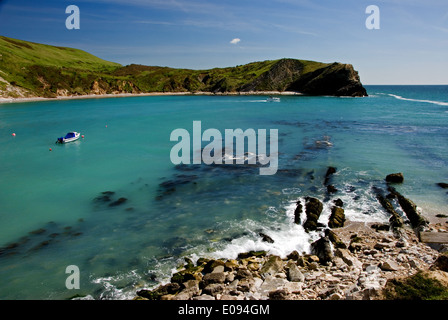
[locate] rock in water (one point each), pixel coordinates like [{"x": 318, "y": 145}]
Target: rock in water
[
  {"x": 443, "y": 185},
  {"x": 330, "y": 172},
  {"x": 409, "y": 207},
  {"x": 338, "y": 202},
  {"x": 297, "y": 212},
  {"x": 337, "y": 218},
  {"x": 313, "y": 209},
  {"x": 118, "y": 202},
  {"x": 266, "y": 238},
  {"x": 395, "y": 220},
  {"x": 395, "y": 178}
]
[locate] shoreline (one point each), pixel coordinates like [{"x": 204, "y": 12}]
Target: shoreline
[
  {"x": 349, "y": 261},
  {"x": 148, "y": 94},
  {"x": 365, "y": 264}
]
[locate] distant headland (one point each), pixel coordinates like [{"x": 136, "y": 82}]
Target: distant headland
[{"x": 32, "y": 70}]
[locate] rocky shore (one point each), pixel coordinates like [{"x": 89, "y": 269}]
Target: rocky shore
[
  {"x": 351, "y": 261},
  {"x": 362, "y": 261}
]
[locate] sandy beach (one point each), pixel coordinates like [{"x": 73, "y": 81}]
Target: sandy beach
[{"x": 127, "y": 95}]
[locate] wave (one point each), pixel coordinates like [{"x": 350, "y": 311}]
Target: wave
[
  {"x": 287, "y": 237},
  {"x": 440, "y": 103}
]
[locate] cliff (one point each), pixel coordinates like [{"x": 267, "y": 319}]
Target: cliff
[{"x": 30, "y": 69}]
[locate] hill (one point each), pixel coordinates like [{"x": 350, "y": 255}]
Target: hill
[{"x": 30, "y": 69}]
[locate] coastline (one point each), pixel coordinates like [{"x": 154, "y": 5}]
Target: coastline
[
  {"x": 366, "y": 264},
  {"x": 127, "y": 95},
  {"x": 349, "y": 261}
]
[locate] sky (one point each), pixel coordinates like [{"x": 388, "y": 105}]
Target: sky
[{"x": 410, "y": 46}]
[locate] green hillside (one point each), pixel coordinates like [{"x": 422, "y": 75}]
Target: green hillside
[{"x": 32, "y": 69}]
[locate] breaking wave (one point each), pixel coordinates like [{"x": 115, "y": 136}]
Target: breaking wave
[{"x": 440, "y": 103}]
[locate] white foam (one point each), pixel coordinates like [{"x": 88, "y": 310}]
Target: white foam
[
  {"x": 293, "y": 190},
  {"x": 111, "y": 290},
  {"x": 286, "y": 239},
  {"x": 417, "y": 100}
]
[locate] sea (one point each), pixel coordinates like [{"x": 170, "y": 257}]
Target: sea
[{"x": 111, "y": 214}]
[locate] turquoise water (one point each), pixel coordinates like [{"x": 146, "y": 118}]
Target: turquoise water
[{"x": 52, "y": 212}]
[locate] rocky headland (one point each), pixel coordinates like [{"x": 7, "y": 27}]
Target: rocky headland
[
  {"x": 350, "y": 261},
  {"x": 33, "y": 70}
]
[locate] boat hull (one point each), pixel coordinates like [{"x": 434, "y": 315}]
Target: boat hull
[{"x": 68, "y": 140}]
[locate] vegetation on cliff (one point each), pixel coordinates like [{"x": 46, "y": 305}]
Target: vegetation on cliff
[{"x": 32, "y": 69}]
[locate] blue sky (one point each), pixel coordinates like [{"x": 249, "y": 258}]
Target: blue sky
[{"x": 411, "y": 46}]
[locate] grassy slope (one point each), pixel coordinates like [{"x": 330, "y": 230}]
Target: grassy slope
[
  {"x": 45, "y": 70},
  {"x": 23, "y": 62}
]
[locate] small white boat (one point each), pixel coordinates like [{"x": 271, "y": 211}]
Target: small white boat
[
  {"x": 273, "y": 99},
  {"x": 69, "y": 137}
]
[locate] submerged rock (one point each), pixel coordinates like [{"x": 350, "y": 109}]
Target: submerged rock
[
  {"x": 328, "y": 174},
  {"x": 104, "y": 197},
  {"x": 395, "y": 178},
  {"x": 297, "y": 212},
  {"x": 118, "y": 202},
  {"x": 331, "y": 189}
]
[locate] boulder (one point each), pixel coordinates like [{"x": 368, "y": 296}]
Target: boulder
[
  {"x": 210, "y": 265},
  {"x": 213, "y": 289},
  {"x": 156, "y": 294},
  {"x": 395, "y": 220},
  {"x": 183, "y": 276},
  {"x": 266, "y": 238},
  {"x": 280, "y": 294},
  {"x": 298, "y": 212},
  {"x": 338, "y": 202},
  {"x": 322, "y": 249},
  {"x": 389, "y": 265},
  {"x": 337, "y": 218},
  {"x": 395, "y": 178},
  {"x": 272, "y": 266},
  {"x": 243, "y": 273},
  {"x": 313, "y": 209},
  {"x": 441, "y": 263},
  {"x": 190, "y": 289},
  {"x": 335, "y": 240},
  {"x": 204, "y": 297},
  {"x": 271, "y": 284},
  {"x": 216, "y": 277},
  {"x": 443, "y": 185},
  {"x": 348, "y": 258},
  {"x": 249, "y": 254},
  {"x": 409, "y": 207},
  {"x": 294, "y": 255},
  {"x": 294, "y": 273}
]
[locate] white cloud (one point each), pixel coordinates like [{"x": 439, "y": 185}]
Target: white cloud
[{"x": 235, "y": 41}]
